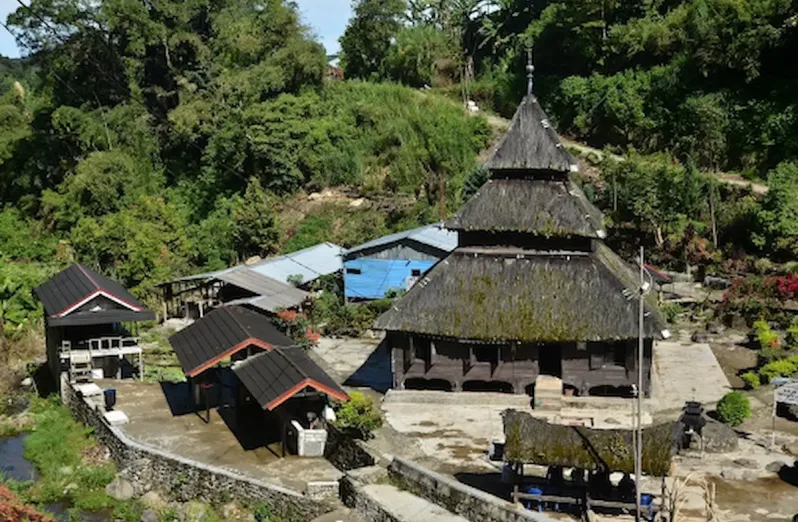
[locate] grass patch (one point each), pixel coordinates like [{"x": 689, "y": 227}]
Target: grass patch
[{"x": 56, "y": 447}]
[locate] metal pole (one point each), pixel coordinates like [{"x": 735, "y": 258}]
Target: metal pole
[
  {"x": 773, "y": 427},
  {"x": 640, "y": 392}
]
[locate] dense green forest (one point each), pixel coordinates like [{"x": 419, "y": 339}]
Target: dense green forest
[{"x": 151, "y": 139}]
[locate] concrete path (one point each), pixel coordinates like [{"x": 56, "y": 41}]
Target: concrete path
[
  {"x": 355, "y": 362},
  {"x": 407, "y": 507},
  {"x": 686, "y": 371}
]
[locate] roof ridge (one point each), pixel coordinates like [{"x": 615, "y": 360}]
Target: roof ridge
[{"x": 88, "y": 276}]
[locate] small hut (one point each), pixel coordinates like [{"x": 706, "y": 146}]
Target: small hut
[
  {"x": 395, "y": 261},
  {"x": 274, "y": 385},
  {"x": 88, "y": 320},
  {"x": 530, "y": 440}
]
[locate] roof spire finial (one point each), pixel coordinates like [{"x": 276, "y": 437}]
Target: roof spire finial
[{"x": 530, "y": 70}]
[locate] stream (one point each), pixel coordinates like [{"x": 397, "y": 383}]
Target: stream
[{"x": 14, "y": 466}]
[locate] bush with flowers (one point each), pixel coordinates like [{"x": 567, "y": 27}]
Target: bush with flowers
[{"x": 298, "y": 327}]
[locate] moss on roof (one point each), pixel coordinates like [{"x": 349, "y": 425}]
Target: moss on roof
[
  {"x": 520, "y": 295},
  {"x": 535, "y": 441}
]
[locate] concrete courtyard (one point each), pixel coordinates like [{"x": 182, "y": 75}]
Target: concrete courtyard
[
  {"x": 453, "y": 431},
  {"x": 160, "y": 417}
]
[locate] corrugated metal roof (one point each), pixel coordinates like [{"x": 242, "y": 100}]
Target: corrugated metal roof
[
  {"x": 311, "y": 263},
  {"x": 431, "y": 235},
  {"x": 270, "y": 303},
  {"x": 274, "y": 293}
]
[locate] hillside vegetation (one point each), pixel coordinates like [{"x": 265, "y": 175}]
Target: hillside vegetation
[{"x": 150, "y": 140}]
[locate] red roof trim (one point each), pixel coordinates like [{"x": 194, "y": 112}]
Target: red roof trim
[
  {"x": 235, "y": 349},
  {"x": 101, "y": 292},
  {"x": 301, "y": 386}
]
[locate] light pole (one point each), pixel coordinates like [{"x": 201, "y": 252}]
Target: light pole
[{"x": 638, "y": 436}]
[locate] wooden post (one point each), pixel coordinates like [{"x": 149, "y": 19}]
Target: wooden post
[{"x": 515, "y": 483}]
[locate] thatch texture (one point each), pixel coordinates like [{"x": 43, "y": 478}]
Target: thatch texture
[
  {"x": 540, "y": 207},
  {"x": 494, "y": 294},
  {"x": 534, "y": 441},
  {"x": 531, "y": 143}
]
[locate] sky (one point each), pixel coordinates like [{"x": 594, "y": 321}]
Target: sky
[{"x": 327, "y": 18}]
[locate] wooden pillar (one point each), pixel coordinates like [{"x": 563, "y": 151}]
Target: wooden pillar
[{"x": 515, "y": 483}]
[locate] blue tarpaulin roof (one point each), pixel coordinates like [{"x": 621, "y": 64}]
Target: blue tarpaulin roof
[{"x": 431, "y": 235}]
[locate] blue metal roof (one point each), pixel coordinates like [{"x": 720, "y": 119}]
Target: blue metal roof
[
  {"x": 311, "y": 263},
  {"x": 432, "y": 235}
]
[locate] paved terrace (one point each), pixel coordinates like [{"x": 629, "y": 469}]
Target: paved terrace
[
  {"x": 171, "y": 426},
  {"x": 451, "y": 432}
]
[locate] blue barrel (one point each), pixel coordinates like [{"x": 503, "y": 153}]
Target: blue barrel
[
  {"x": 646, "y": 499},
  {"x": 110, "y": 398}
]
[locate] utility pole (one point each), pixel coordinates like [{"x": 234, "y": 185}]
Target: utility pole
[{"x": 640, "y": 354}]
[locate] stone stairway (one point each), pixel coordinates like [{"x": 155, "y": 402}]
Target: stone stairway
[
  {"x": 369, "y": 493},
  {"x": 406, "y": 507}
]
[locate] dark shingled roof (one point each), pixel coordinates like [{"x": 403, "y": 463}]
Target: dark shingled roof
[
  {"x": 534, "y": 441},
  {"x": 76, "y": 285},
  {"x": 220, "y": 334},
  {"x": 275, "y": 376},
  {"x": 494, "y": 294},
  {"x": 531, "y": 143},
  {"x": 540, "y": 207}
]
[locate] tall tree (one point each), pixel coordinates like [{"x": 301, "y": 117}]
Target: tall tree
[{"x": 369, "y": 35}]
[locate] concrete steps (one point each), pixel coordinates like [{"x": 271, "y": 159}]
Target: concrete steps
[{"x": 406, "y": 507}]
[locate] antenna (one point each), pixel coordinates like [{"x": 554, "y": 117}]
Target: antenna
[{"x": 530, "y": 70}]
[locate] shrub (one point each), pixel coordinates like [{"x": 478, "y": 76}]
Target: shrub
[
  {"x": 791, "y": 338},
  {"x": 671, "y": 311},
  {"x": 781, "y": 368},
  {"x": 751, "y": 380},
  {"x": 359, "y": 416},
  {"x": 734, "y": 408},
  {"x": 766, "y": 338}
]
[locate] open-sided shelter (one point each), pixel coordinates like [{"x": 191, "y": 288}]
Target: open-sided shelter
[
  {"x": 194, "y": 296},
  {"x": 530, "y": 289},
  {"x": 87, "y": 319}
]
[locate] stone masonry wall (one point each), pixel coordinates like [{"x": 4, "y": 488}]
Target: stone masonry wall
[
  {"x": 457, "y": 497},
  {"x": 184, "y": 479}
]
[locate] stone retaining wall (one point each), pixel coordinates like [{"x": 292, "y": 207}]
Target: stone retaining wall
[
  {"x": 457, "y": 497},
  {"x": 184, "y": 479}
]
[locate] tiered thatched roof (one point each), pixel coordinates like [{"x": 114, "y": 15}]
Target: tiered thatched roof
[
  {"x": 534, "y": 441},
  {"x": 531, "y": 143},
  {"x": 543, "y": 208},
  {"x": 495, "y": 294}
]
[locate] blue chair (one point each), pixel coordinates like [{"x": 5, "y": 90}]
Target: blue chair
[
  {"x": 533, "y": 490},
  {"x": 647, "y": 502}
]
